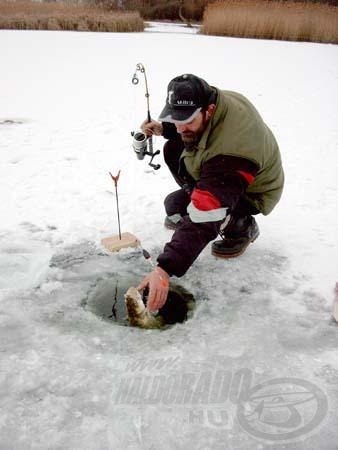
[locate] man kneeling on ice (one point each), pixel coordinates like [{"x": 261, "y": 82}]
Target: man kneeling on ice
[{"x": 228, "y": 166}]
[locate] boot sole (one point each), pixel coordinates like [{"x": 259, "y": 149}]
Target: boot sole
[
  {"x": 234, "y": 255},
  {"x": 169, "y": 227}
]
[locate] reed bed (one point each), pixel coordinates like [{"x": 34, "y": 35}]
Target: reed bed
[
  {"x": 27, "y": 15},
  {"x": 295, "y": 21}
]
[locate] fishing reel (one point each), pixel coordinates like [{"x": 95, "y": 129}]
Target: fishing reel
[{"x": 142, "y": 144}]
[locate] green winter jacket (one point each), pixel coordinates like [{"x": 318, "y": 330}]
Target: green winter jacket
[{"x": 237, "y": 129}]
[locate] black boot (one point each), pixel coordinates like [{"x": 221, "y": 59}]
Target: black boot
[
  {"x": 173, "y": 222},
  {"x": 236, "y": 237},
  {"x": 176, "y": 204}
]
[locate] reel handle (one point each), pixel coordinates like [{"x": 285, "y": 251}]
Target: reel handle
[{"x": 154, "y": 166}]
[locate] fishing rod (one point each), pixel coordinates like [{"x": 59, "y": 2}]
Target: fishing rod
[{"x": 142, "y": 144}]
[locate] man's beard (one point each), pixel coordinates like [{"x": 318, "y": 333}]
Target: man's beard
[{"x": 191, "y": 139}]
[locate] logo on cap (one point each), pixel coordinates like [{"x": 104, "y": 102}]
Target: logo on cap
[
  {"x": 170, "y": 94},
  {"x": 185, "y": 103}
]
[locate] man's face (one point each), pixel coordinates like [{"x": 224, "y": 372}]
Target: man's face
[{"x": 191, "y": 132}]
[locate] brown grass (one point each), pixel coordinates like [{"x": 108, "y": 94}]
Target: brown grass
[
  {"x": 27, "y": 15},
  {"x": 294, "y": 21}
]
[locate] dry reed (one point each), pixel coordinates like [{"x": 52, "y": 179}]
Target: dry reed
[
  {"x": 27, "y": 15},
  {"x": 312, "y": 22}
]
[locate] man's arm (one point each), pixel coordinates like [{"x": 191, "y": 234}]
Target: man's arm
[
  {"x": 169, "y": 130},
  {"x": 223, "y": 180},
  {"x": 165, "y": 129}
]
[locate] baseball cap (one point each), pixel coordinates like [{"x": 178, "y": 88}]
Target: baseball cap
[{"x": 187, "y": 95}]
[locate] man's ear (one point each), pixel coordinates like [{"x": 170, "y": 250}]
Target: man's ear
[{"x": 210, "y": 110}]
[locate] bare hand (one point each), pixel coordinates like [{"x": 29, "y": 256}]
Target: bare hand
[
  {"x": 152, "y": 128},
  {"x": 158, "y": 282}
]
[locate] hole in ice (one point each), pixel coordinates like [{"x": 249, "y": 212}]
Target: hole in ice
[{"x": 106, "y": 300}]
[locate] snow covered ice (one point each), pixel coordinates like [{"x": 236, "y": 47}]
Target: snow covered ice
[{"x": 67, "y": 106}]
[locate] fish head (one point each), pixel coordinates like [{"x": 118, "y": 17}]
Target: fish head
[{"x": 134, "y": 302}]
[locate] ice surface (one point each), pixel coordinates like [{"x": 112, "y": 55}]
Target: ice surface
[{"x": 267, "y": 313}]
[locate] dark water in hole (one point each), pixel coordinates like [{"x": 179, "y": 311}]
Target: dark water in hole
[{"x": 106, "y": 300}]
